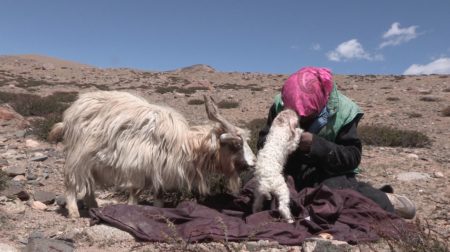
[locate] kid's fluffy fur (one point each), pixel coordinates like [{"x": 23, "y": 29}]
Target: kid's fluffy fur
[{"x": 282, "y": 140}]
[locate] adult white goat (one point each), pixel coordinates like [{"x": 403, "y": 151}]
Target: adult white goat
[
  {"x": 118, "y": 139},
  {"x": 282, "y": 140}
]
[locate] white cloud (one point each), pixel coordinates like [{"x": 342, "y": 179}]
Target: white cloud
[
  {"x": 351, "y": 49},
  {"x": 316, "y": 47},
  {"x": 439, "y": 66},
  {"x": 396, "y": 35}
]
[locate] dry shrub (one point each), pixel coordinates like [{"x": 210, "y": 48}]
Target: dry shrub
[
  {"x": 3, "y": 180},
  {"x": 393, "y": 99},
  {"x": 387, "y": 136},
  {"x": 255, "y": 126},
  {"x": 422, "y": 238},
  {"x": 430, "y": 98},
  {"x": 196, "y": 102},
  {"x": 446, "y": 111},
  {"x": 228, "y": 104},
  {"x": 171, "y": 89},
  {"x": 414, "y": 115},
  {"x": 49, "y": 108}
]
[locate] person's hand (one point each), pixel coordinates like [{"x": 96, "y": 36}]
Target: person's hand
[{"x": 305, "y": 141}]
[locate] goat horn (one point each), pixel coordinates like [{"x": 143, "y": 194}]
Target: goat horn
[{"x": 214, "y": 115}]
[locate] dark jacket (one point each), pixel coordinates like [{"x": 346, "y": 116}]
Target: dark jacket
[{"x": 326, "y": 159}]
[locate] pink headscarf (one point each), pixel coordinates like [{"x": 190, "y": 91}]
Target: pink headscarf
[{"x": 307, "y": 90}]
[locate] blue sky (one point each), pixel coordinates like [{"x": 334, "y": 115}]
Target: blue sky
[{"x": 350, "y": 37}]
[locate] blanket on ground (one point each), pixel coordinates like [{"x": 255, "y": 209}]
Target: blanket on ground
[{"x": 345, "y": 214}]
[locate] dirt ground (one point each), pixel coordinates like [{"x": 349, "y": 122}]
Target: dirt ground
[{"x": 403, "y": 102}]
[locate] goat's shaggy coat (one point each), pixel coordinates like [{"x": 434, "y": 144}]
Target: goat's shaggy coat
[
  {"x": 282, "y": 140},
  {"x": 117, "y": 139}
]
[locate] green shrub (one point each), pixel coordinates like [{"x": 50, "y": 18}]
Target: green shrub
[
  {"x": 228, "y": 104},
  {"x": 446, "y": 111},
  {"x": 196, "y": 102},
  {"x": 387, "y": 136}
]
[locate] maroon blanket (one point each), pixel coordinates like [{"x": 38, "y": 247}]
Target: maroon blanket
[{"x": 345, "y": 214}]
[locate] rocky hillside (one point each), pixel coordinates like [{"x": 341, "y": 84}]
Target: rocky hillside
[{"x": 32, "y": 168}]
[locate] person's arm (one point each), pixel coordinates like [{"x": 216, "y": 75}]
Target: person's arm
[
  {"x": 340, "y": 156},
  {"x": 265, "y": 130}
]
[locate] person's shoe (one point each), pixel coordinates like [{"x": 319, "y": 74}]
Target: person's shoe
[{"x": 403, "y": 206}]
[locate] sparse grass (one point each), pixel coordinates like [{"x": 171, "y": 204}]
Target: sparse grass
[
  {"x": 446, "y": 111},
  {"x": 228, "y": 104},
  {"x": 387, "y": 136},
  {"x": 414, "y": 115},
  {"x": 393, "y": 99},
  {"x": 3, "y": 180},
  {"x": 255, "y": 126},
  {"x": 196, "y": 102}
]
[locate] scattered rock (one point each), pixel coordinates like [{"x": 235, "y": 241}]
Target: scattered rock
[
  {"x": 39, "y": 157},
  {"x": 15, "y": 170},
  {"x": 438, "y": 175},
  {"x": 15, "y": 190},
  {"x": 103, "y": 233},
  {"x": 45, "y": 175},
  {"x": 38, "y": 205},
  {"x": 410, "y": 176},
  {"x": 43, "y": 245},
  {"x": 7, "y": 248},
  {"x": 60, "y": 200},
  {"x": 13, "y": 207},
  {"x": 20, "y": 133},
  {"x": 36, "y": 234},
  {"x": 30, "y": 143},
  {"x": 3, "y": 162},
  {"x": 413, "y": 156},
  {"x": 31, "y": 176},
  {"x": 425, "y": 91},
  {"x": 19, "y": 178},
  {"x": 44, "y": 197},
  {"x": 319, "y": 245}
]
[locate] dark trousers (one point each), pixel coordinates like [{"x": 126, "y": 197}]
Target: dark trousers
[{"x": 350, "y": 182}]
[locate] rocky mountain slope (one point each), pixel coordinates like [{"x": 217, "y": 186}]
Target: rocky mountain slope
[{"x": 29, "y": 205}]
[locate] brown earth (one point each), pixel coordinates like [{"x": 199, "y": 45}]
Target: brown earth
[{"x": 403, "y": 102}]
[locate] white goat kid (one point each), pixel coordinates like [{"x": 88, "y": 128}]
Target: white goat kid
[
  {"x": 118, "y": 139},
  {"x": 283, "y": 139}
]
